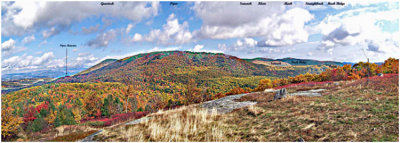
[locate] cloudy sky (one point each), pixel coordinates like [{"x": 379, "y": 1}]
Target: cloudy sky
[{"x": 33, "y": 31}]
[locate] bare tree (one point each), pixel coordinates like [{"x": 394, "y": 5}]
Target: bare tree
[{"x": 368, "y": 70}]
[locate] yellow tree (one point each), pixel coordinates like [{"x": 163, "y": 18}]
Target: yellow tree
[
  {"x": 51, "y": 117},
  {"x": 77, "y": 114},
  {"x": 276, "y": 82},
  {"x": 264, "y": 84},
  {"x": 9, "y": 123},
  {"x": 391, "y": 65}
]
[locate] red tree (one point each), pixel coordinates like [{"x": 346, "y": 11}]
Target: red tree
[{"x": 29, "y": 116}]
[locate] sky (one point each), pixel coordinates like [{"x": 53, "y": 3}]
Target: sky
[{"x": 32, "y": 31}]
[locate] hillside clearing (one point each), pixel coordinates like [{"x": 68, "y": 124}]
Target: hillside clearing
[{"x": 348, "y": 111}]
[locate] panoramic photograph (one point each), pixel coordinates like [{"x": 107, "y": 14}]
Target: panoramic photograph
[{"x": 200, "y": 71}]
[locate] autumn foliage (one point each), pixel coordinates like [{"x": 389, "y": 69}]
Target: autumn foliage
[
  {"x": 346, "y": 72},
  {"x": 9, "y": 123}
]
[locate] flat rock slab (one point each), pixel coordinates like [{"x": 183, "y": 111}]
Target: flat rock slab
[
  {"x": 137, "y": 121},
  {"x": 310, "y": 93},
  {"x": 226, "y": 104}
]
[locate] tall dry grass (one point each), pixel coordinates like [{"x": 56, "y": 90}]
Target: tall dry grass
[{"x": 178, "y": 125}]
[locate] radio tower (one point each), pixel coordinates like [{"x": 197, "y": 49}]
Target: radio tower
[{"x": 66, "y": 62}]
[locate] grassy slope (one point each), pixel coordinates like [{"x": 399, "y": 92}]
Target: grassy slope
[
  {"x": 349, "y": 112},
  {"x": 352, "y": 111}
]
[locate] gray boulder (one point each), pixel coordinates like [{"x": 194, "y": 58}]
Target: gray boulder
[{"x": 281, "y": 93}]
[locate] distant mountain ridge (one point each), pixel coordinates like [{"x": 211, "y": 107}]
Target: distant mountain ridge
[
  {"x": 295, "y": 61},
  {"x": 51, "y": 73}
]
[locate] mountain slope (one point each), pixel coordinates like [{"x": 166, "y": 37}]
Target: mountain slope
[
  {"x": 294, "y": 61},
  {"x": 97, "y": 66}
]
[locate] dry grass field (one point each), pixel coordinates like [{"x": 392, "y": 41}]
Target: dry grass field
[
  {"x": 184, "y": 124},
  {"x": 346, "y": 111}
]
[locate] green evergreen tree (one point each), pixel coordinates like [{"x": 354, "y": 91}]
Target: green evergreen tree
[
  {"x": 69, "y": 118},
  {"x": 104, "y": 108},
  {"x": 43, "y": 112},
  {"x": 59, "y": 118},
  {"x": 38, "y": 124},
  {"x": 64, "y": 117},
  {"x": 21, "y": 110}
]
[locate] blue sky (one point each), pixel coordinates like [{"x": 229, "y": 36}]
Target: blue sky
[{"x": 32, "y": 31}]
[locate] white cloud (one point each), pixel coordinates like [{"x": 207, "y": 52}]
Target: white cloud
[
  {"x": 277, "y": 25},
  {"x": 28, "y": 39},
  {"x": 48, "y": 33},
  {"x": 199, "y": 48},
  {"x": 250, "y": 42},
  {"x": 162, "y": 49},
  {"x": 359, "y": 27},
  {"x": 8, "y": 46},
  {"x": 239, "y": 43},
  {"x": 83, "y": 60},
  {"x": 245, "y": 44},
  {"x": 222, "y": 47},
  {"x": 137, "y": 37},
  {"x": 27, "y": 16},
  {"x": 45, "y": 61},
  {"x": 44, "y": 58},
  {"x": 103, "y": 39},
  {"x": 129, "y": 28},
  {"x": 172, "y": 33},
  {"x": 25, "y": 62}
]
